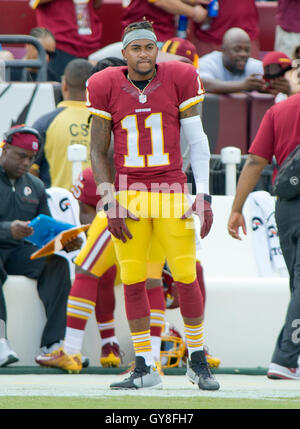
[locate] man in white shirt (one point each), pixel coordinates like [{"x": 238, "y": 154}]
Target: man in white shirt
[{"x": 232, "y": 69}]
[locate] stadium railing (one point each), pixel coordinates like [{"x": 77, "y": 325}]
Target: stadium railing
[{"x": 40, "y": 64}]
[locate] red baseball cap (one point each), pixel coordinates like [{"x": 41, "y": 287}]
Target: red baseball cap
[
  {"x": 277, "y": 57},
  {"x": 27, "y": 138},
  {"x": 182, "y": 47}
]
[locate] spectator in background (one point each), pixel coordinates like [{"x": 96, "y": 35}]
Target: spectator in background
[
  {"x": 66, "y": 125},
  {"x": 279, "y": 75},
  {"x": 287, "y": 33},
  {"x": 162, "y": 13},
  {"x": 25, "y": 198},
  {"x": 76, "y": 27},
  {"x": 232, "y": 13},
  {"x": 232, "y": 69},
  {"x": 47, "y": 40}
]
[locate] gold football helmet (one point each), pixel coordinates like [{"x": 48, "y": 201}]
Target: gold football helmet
[{"x": 172, "y": 348}]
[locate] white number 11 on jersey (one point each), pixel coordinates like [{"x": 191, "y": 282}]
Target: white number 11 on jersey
[{"x": 133, "y": 157}]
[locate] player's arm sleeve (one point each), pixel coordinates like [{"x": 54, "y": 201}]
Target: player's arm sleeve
[
  {"x": 191, "y": 92},
  {"x": 199, "y": 151}
]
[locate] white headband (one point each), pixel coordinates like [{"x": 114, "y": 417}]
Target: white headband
[{"x": 138, "y": 34}]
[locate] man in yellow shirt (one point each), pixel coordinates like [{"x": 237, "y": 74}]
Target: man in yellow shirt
[{"x": 65, "y": 126}]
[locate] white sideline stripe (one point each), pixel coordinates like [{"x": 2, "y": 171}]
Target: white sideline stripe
[
  {"x": 96, "y": 250},
  {"x": 97, "y": 386}
]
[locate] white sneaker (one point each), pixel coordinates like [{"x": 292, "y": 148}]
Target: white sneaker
[
  {"x": 277, "y": 372},
  {"x": 7, "y": 355},
  {"x": 142, "y": 376}
]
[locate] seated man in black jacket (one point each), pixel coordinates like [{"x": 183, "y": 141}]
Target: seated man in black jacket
[{"x": 23, "y": 197}]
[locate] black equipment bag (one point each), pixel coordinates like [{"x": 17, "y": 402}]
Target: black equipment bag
[{"x": 287, "y": 182}]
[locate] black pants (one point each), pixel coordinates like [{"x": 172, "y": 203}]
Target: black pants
[
  {"x": 287, "y": 216},
  {"x": 53, "y": 284}
]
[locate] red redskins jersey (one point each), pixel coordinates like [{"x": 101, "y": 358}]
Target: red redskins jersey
[
  {"x": 136, "y": 10},
  {"x": 85, "y": 189},
  {"x": 146, "y": 126}
]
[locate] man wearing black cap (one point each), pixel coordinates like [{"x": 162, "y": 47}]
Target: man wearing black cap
[{"x": 25, "y": 198}]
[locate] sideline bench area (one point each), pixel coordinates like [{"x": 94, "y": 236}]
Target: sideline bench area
[{"x": 243, "y": 315}]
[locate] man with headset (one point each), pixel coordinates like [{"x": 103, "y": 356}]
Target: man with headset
[{"x": 25, "y": 198}]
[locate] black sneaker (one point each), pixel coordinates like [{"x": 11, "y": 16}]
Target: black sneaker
[
  {"x": 198, "y": 372},
  {"x": 85, "y": 361},
  {"x": 142, "y": 376}
]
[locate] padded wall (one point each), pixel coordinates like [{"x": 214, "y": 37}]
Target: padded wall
[
  {"x": 23, "y": 103},
  {"x": 225, "y": 120}
]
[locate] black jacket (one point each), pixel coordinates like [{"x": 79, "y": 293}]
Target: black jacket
[{"x": 24, "y": 200}]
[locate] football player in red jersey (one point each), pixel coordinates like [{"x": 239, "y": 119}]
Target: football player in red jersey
[
  {"x": 89, "y": 268},
  {"x": 145, "y": 104}
]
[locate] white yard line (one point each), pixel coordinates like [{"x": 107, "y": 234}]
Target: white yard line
[{"x": 83, "y": 385}]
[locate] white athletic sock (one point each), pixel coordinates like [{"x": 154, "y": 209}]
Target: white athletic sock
[
  {"x": 148, "y": 358},
  {"x": 73, "y": 340},
  {"x": 156, "y": 345},
  {"x": 142, "y": 346}
]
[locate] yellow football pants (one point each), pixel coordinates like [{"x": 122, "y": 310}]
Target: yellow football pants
[
  {"x": 159, "y": 219},
  {"x": 98, "y": 254}
]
